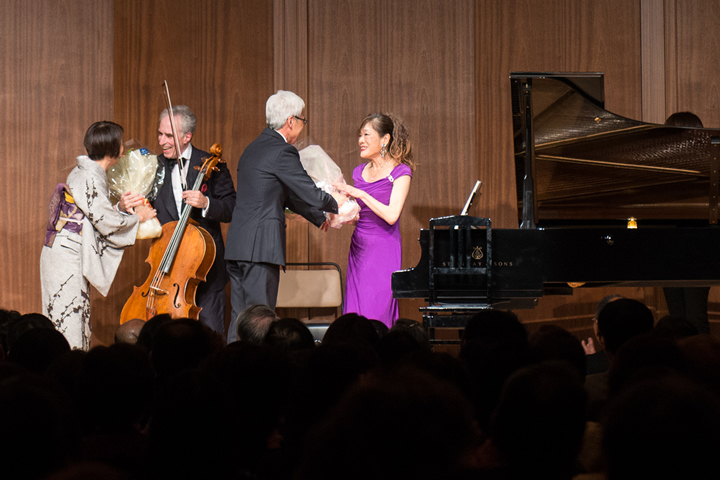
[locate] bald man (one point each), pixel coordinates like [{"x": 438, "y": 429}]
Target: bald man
[{"x": 128, "y": 332}]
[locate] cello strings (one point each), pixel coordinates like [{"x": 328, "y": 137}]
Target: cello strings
[{"x": 170, "y": 251}]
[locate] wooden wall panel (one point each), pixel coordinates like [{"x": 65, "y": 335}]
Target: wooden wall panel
[
  {"x": 693, "y": 75},
  {"x": 343, "y": 41},
  {"x": 432, "y": 82},
  {"x": 652, "y": 30},
  {"x": 217, "y": 57},
  {"x": 442, "y": 66},
  {"x": 55, "y": 81},
  {"x": 537, "y": 36},
  {"x": 290, "y": 43},
  {"x": 410, "y": 58},
  {"x": 508, "y": 38},
  {"x": 694, "y": 33}
]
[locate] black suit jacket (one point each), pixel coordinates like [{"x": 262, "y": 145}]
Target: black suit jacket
[
  {"x": 221, "y": 191},
  {"x": 270, "y": 178}
]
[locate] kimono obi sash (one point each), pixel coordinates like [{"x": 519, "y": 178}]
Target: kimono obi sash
[{"x": 63, "y": 214}]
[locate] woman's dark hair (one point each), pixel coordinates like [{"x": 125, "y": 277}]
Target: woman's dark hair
[
  {"x": 103, "y": 139},
  {"x": 399, "y": 147}
]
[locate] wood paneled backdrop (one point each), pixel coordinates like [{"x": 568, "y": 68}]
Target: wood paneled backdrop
[{"x": 442, "y": 66}]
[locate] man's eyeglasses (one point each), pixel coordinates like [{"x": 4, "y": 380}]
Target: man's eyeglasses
[{"x": 301, "y": 119}]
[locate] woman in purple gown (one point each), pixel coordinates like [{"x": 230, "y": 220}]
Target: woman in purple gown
[{"x": 381, "y": 186}]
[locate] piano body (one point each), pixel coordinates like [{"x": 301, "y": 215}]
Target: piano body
[{"x": 583, "y": 176}]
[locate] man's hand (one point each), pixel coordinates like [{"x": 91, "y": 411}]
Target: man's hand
[
  {"x": 339, "y": 198},
  {"x": 195, "y": 198},
  {"x": 588, "y": 346},
  {"x": 129, "y": 201}
]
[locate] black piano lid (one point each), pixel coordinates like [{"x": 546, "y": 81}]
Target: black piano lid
[
  {"x": 589, "y": 170},
  {"x": 589, "y": 165}
]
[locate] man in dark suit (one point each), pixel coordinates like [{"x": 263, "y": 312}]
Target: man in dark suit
[
  {"x": 212, "y": 204},
  {"x": 270, "y": 178}
]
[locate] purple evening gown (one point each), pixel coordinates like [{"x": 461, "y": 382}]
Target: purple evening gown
[{"x": 375, "y": 253}]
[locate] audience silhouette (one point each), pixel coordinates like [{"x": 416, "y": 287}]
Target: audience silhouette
[{"x": 364, "y": 403}]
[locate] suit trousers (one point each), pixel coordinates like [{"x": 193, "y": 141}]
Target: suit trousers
[
  {"x": 251, "y": 284},
  {"x": 212, "y": 302}
]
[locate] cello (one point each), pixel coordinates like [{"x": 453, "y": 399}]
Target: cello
[{"x": 179, "y": 260}]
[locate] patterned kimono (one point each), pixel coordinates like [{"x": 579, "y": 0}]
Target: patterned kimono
[{"x": 83, "y": 246}]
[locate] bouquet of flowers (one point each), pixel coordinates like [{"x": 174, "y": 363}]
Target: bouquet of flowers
[
  {"x": 324, "y": 172},
  {"x": 137, "y": 171}
]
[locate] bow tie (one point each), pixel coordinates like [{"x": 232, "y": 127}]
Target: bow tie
[{"x": 171, "y": 162}]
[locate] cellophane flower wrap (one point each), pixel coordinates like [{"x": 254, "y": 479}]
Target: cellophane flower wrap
[
  {"x": 137, "y": 171},
  {"x": 324, "y": 172}
]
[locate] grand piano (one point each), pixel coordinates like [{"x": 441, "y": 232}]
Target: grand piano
[{"x": 602, "y": 200}]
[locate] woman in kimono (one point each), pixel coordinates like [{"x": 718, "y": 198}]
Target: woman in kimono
[{"x": 85, "y": 236}]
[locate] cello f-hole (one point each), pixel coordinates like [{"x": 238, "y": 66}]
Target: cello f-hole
[{"x": 177, "y": 296}]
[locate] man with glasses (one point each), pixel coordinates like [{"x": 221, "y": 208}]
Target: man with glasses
[{"x": 270, "y": 177}]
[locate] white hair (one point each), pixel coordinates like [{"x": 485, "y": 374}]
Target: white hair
[
  {"x": 281, "y": 106},
  {"x": 188, "y": 120}
]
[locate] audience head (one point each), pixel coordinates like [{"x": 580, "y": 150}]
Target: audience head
[
  {"x": 181, "y": 345},
  {"x": 674, "y": 327},
  {"x": 410, "y": 425},
  {"x": 414, "y": 328},
  {"x": 351, "y": 328},
  {"x": 115, "y": 388},
  {"x": 664, "y": 428},
  {"x": 289, "y": 335},
  {"x": 492, "y": 326},
  {"x": 621, "y": 320},
  {"x": 701, "y": 355},
  {"x": 643, "y": 356},
  {"x": 24, "y": 324},
  {"x": 552, "y": 342},
  {"x": 87, "y": 471},
  {"x": 147, "y": 332},
  {"x": 494, "y": 346},
  {"x": 444, "y": 366},
  {"x": 37, "y": 348},
  {"x": 39, "y": 433},
  {"x": 539, "y": 422},
  {"x": 129, "y": 331},
  {"x": 405, "y": 338},
  {"x": 220, "y": 418},
  {"x": 394, "y": 347},
  {"x": 328, "y": 373},
  {"x": 7, "y": 318},
  {"x": 254, "y": 322},
  {"x": 604, "y": 301},
  {"x": 380, "y": 327}
]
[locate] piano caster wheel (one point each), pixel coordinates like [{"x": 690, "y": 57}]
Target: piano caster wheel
[{"x": 609, "y": 240}]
